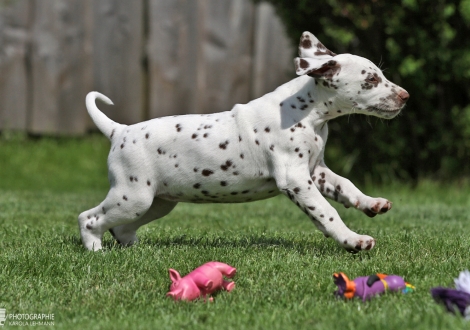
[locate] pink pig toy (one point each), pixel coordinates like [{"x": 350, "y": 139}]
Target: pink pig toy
[{"x": 201, "y": 282}]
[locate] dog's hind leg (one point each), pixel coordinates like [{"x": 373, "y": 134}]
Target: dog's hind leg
[
  {"x": 117, "y": 209},
  {"x": 126, "y": 234}
]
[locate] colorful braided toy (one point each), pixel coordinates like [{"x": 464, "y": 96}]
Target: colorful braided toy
[{"x": 366, "y": 287}]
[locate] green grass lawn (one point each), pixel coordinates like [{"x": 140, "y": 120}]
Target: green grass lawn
[{"x": 285, "y": 266}]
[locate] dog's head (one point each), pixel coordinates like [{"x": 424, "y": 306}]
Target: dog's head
[{"x": 358, "y": 84}]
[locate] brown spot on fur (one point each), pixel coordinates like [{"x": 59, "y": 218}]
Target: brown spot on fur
[
  {"x": 227, "y": 165},
  {"x": 223, "y": 145},
  {"x": 324, "y": 52},
  {"x": 306, "y": 43},
  {"x": 207, "y": 172},
  {"x": 303, "y": 63}
]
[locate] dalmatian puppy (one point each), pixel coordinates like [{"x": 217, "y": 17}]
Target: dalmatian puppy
[{"x": 269, "y": 146}]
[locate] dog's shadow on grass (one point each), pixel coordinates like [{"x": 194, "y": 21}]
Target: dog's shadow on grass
[{"x": 303, "y": 245}]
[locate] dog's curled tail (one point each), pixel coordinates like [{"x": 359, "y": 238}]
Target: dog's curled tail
[{"x": 104, "y": 124}]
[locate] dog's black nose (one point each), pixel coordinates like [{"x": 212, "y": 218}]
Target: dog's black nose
[{"x": 404, "y": 95}]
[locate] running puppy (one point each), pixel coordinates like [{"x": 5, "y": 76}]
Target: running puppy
[{"x": 271, "y": 145}]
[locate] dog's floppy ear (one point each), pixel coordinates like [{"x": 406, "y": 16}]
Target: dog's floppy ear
[
  {"x": 311, "y": 47},
  {"x": 317, "y": 68},
  {"x": 315, "y": 59}
]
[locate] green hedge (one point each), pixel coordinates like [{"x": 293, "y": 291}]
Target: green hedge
[{"x": 423, "y": 46}]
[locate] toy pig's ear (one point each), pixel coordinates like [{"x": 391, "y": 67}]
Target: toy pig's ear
[{"x": 174, "y": 275}]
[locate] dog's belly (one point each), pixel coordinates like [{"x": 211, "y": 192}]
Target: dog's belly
[{"x": 215, "y": 192}]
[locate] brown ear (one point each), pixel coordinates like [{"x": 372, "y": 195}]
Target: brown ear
[
  {"x": 316, "y": 68},
  {"x": 310, "y": 46}
]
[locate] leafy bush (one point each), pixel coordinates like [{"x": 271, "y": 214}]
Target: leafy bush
[{"x": 422, "y": 45}]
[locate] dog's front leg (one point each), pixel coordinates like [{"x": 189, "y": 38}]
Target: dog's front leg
[
  {"x": 345, "y": 192},
  {"x": 306, "y": 196}
]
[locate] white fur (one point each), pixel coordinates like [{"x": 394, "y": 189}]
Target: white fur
[{"x": 271, "y": 145}]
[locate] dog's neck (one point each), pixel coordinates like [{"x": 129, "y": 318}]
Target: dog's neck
[{"x": 315, "y": 103}]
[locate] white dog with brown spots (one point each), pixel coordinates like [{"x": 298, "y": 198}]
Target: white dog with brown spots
[{"x": 271, "y": 145}]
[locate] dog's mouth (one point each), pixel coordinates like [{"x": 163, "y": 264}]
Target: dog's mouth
[{"x": 385, "y": 112}]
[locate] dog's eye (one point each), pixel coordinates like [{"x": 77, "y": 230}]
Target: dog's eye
[{"x": 371, "y": 79}]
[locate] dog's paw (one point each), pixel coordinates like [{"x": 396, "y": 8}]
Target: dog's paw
[
  {"x": 358, "y": 243},
  {"x": 374, "y": 206}
]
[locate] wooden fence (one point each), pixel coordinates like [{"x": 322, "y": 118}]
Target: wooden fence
[{"x": 151, "y": 57}]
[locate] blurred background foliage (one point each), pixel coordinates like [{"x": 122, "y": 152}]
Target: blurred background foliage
[{"x": 422, "y": 45}]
